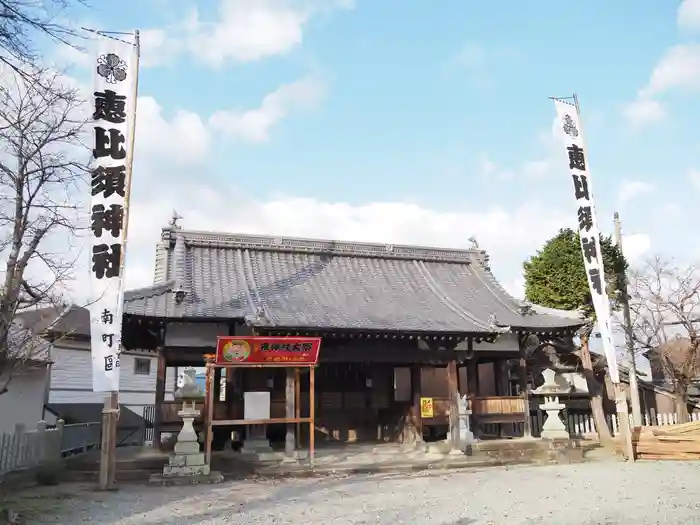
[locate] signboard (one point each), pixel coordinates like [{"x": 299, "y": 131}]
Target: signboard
[
  {"x": 570, "y": 123},
  {"x": 426, "y": 407},
  {"x": 270, "y": 351},
  {"x": 256, "y": 406},
  {"x": 113, "y": 109}
]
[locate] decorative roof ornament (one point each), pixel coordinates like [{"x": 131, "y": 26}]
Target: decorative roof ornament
[
  {"x": 495, "y": 326},
  {"x": 474, "y": 243},
  {"x": 257, "y": 319},
  {"x": 173, "y": 221},
  {"x": 526, "y": 309}
]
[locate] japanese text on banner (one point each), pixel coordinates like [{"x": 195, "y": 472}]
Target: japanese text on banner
[
  {"x": 111, "y": 116},
  {"x": 568, "y": 119}
]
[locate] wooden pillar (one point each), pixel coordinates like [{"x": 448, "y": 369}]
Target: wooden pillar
[
  {"x": 218, "y": 373},
  {"x": 472, "y": 381},
  {"x": 472, "y": 373},
  {"x": 230, "y": 392},
  {"x": 160, "y": 397},
  {"x": 453, "y": 389},
  {"x": 415, "y": 409},
  {"x": 312, "y": 415},
  {"x": 209, "y": 412},
  {"x": 289, "y": 398},
  {"x": 527, "y": 431},
  {"x": 297, "y": 405}
]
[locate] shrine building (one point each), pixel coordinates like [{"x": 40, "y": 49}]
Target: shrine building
[{"x": 398, "y": 323}]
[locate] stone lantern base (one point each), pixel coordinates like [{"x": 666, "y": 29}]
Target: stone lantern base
[{"x": 187, "y": 465}]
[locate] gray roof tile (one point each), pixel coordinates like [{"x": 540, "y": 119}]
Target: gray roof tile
[{"x": 308, "y": 283}]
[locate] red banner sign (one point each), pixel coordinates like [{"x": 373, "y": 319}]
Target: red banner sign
[{"x": 261, "y": 351}]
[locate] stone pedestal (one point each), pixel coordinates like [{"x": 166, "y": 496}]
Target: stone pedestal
[
  {"x": 553, "y": 427},
  {"x": 256, "y": 441}
]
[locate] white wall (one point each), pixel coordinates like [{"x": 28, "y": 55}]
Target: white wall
[
  {"x": 194, "y": 334},
  {"x": 71, "y": 379},
  {"x": 23, "y": 403}
]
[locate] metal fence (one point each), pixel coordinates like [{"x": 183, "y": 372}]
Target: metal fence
[
  {"x": 79, "y": 438},
  {"x": 149, "y": 417}
]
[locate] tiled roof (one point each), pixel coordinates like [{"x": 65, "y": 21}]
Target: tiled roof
[
  {"x": 304, "y": 283},
  {"x": 66, "y": 320}
]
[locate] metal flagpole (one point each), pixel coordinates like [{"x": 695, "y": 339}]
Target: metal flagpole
[
  {"x": 620, "y": 398},
  {"x": 110, "y": 411},
  {"x": 624, "y": 296}
]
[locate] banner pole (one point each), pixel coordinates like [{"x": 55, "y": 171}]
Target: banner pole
[
  {"x": 110, "y": 411},
  {"x": 621, "y": 407}
]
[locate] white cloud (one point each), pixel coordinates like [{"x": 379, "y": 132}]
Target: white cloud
[
  {"x": 537, "y": 169},
  {"x": 679, "y": 68},
  {"x": 688, "y": 15},
  {"x": 630, "y": 189},
  {"x": 255, "y": 125},
  {"x": 693, "y": 178},
  {"x": 636, "y": 246},
  {"x": 644, "y": 111},
  {"x": 184, "y": 138},
  {"x": 472, "y": 55},
  {"x": 242, "y": 31}
]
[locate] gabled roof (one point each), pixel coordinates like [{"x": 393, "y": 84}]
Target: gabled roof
[
  {"x": 25, "y": 346},
  {"x": 306, "y": 283},
  {"x": 70, "y": 320}
]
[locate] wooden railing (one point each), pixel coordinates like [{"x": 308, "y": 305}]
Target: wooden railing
[{"x": 498, "y": 405}]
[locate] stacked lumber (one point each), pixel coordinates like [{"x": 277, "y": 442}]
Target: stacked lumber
[{"x": 672, "y": 442}]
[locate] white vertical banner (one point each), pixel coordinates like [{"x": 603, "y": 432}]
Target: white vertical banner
[
  {"x": 113, "y": 112},
  {"x": 570, "y": 123}
]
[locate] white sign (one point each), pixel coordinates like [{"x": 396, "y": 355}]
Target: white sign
[
  {"x": 112, "y": 114},
  {"x": 256, "y": 406},
  {"x": 570, "y": 122}
]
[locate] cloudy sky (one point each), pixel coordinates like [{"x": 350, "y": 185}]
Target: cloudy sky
[{"x": 405, "y": 121}]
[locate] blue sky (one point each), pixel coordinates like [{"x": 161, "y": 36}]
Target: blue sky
[{"x": 410, "y": 121}]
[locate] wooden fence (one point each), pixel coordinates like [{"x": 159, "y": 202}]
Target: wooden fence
[{"x": 582, "y": 425}]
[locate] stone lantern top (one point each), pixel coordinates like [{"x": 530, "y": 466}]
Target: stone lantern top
[{"x": 189, "y": 389}]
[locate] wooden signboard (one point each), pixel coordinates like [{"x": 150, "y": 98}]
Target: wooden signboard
[{"x": 270, "y": 351}]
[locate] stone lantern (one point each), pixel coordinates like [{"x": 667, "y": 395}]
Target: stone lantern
[{"x": 553, "y": 427}]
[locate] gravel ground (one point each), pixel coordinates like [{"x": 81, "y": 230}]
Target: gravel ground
[{"x": 593, "y": 493}]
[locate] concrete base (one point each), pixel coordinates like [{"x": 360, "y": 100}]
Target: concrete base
[
  {"x": 268, "y": 457},
  {"x": 256, "y": 446},
  {"x": 555, "y": 434},
  {"x": 169, "y": 481}
]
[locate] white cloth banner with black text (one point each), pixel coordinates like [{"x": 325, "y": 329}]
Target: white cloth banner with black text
[
  {"x": 111, "y": 108},
  {"x": 570, "y": 123}
]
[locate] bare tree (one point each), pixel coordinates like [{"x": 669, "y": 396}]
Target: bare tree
[
  {"x": 22, "y": 22},
  {"x": 665, "y": 302},
  {"x": 40, "y": 192}
]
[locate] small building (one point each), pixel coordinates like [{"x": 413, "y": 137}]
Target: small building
[
  {"x": 397, "y": 323},
  {"x": 22, "y": 402},
  {"x": 67, "y": 330}
]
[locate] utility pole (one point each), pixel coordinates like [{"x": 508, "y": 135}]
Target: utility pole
[{"x": 624, "y": 296}]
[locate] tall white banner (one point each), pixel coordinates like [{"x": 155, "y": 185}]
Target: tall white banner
[
  {"x": 570, "y": 122},
  {"x": 112, "y": 115}
]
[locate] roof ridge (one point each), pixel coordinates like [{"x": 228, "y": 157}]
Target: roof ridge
[{"x": 336, "y": 247}]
